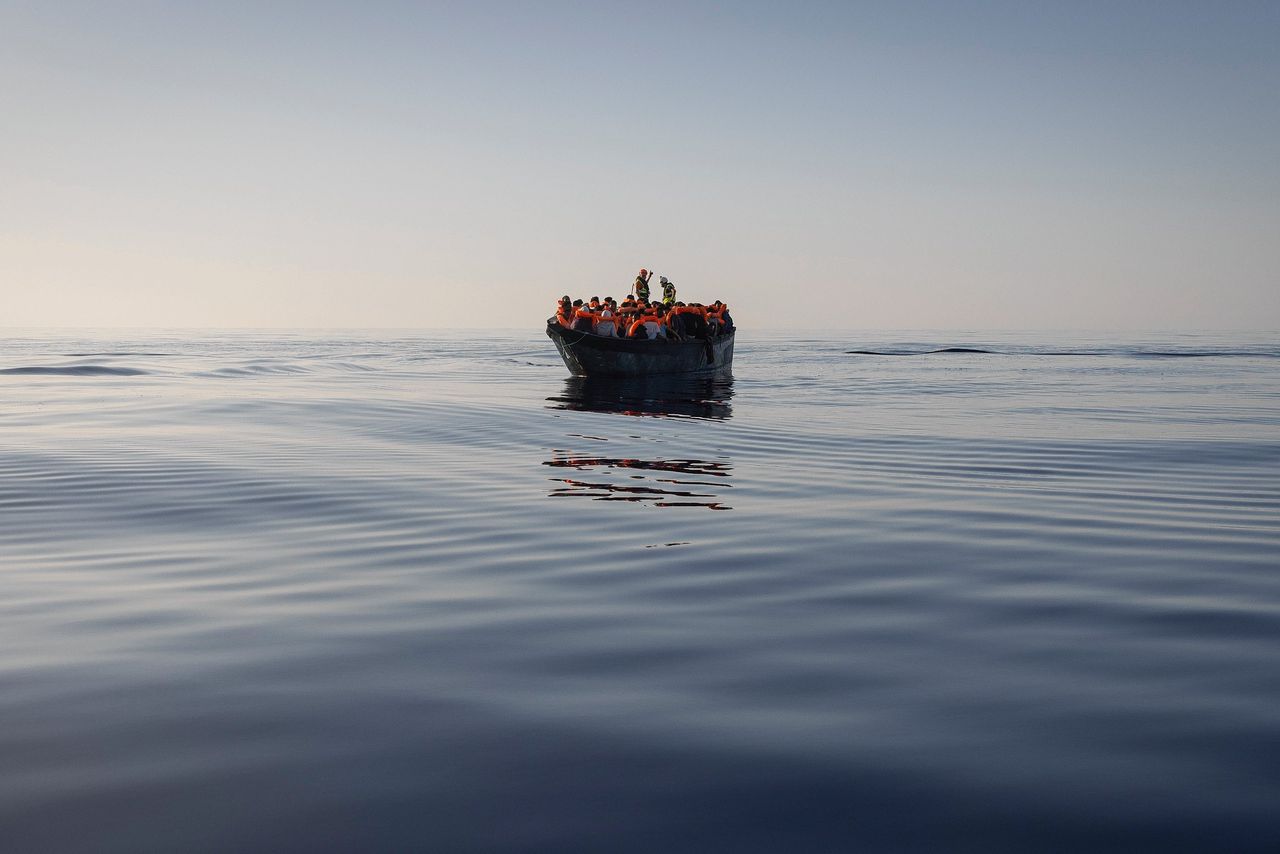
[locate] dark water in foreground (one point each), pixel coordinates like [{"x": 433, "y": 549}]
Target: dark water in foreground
[{"x": 353, "y": 592}]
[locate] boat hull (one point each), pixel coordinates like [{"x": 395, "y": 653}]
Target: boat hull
[{"x": 588, "y": 355}]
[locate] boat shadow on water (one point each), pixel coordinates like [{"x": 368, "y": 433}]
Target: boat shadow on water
[
  {"x": 701, "y": 396},
  {"x": 661, "y": 482}
]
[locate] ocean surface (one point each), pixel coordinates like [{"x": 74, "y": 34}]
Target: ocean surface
[{"x": 412, "y": 591}]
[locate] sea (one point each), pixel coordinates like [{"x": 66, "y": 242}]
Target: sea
[{"x": 354, "y": 591}]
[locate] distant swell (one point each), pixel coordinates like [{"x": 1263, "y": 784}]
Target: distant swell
[
  {"x": 117, "y": 353},
  {"x": 74, "y": 371},
  {"x": 917, "y": 352},
  {"x": 1130, "y": 353}
]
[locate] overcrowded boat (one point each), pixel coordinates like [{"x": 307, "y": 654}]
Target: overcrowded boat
[{"x": 639, "y": 337}]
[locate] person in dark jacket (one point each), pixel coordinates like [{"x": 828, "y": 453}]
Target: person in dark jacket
[{"x": 583, "y": 319}]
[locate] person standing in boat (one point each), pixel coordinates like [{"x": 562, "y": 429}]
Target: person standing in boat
[
  {"x": 642, "y": 285},
  {"x": 668, "y": 291}
]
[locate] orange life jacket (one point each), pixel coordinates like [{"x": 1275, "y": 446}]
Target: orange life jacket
[{"x": 647, "y": 317}]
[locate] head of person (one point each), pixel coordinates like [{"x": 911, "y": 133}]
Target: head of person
[
  {"x": 577, "y": 303},
  {"x": 643, "y": 271}
]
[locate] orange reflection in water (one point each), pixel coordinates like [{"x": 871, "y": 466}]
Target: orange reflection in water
[{"x": 677, "y": 490}]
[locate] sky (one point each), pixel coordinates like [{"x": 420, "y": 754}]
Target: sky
[{"x": 897, "y": 165}]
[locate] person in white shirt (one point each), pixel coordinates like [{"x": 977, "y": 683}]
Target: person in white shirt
[{"x": 605, "y": 324}]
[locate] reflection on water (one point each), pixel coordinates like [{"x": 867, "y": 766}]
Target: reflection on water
[
  {"x": 703, "y": 396},
  {"x": 685, "y": 483},
  {"x": 661, "y": 482}
]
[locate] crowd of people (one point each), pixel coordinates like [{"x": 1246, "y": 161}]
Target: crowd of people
[{"x": 638, "y": 317}]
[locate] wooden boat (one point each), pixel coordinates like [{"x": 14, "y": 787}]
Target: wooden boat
[{"x": 589, "y": 355}]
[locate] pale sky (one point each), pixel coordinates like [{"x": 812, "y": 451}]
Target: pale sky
[{"x": 942, "y": 165}]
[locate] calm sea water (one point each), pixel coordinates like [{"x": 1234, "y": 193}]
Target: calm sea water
[{"x": 408, "y": 591}]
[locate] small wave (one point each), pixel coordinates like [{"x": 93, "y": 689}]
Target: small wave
[
  {"x": 73, "y": 371},
  {"x": 1129, "y": 353},
  {"x": 1205, "y": 354},
  {"x": 1138, "y": 353},
  {"x": 255, "y": 370},
  {"x": 919, "y": 352},
  {"x": 119, "y": 353},
  {"x": 528, "y": 364}
]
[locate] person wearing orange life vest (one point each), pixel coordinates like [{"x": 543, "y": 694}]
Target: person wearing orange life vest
[
  {"x": 647, "y": 325},
  {"x": 583, "y": 319},
  {"x": 662, "y": 310},
  {"x": 633, "y": 310},
  {"x": 693, "y": 320},
  {"x": 637, "y": 328},
  {"x": 679, "y": 320},
  {"x": 672, "y": 322},
  {"x": 606, "y": 323},
  {"x": 612, "y": 304},
  {"x": 715, "y": 318},
  {"x": 726, "y": 319},
  {"x": 564, "y": 311}
]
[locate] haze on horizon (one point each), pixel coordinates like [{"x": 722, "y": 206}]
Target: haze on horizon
[{"x": 913, "y": 165}]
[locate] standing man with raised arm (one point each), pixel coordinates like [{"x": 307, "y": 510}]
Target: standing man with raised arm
[{"x": 642, "y": 284}]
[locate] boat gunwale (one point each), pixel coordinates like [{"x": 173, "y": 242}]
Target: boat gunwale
[{"x": 629, "y": 345}]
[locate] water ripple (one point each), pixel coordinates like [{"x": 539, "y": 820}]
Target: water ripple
[{"x": 1000, "y": 603}]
